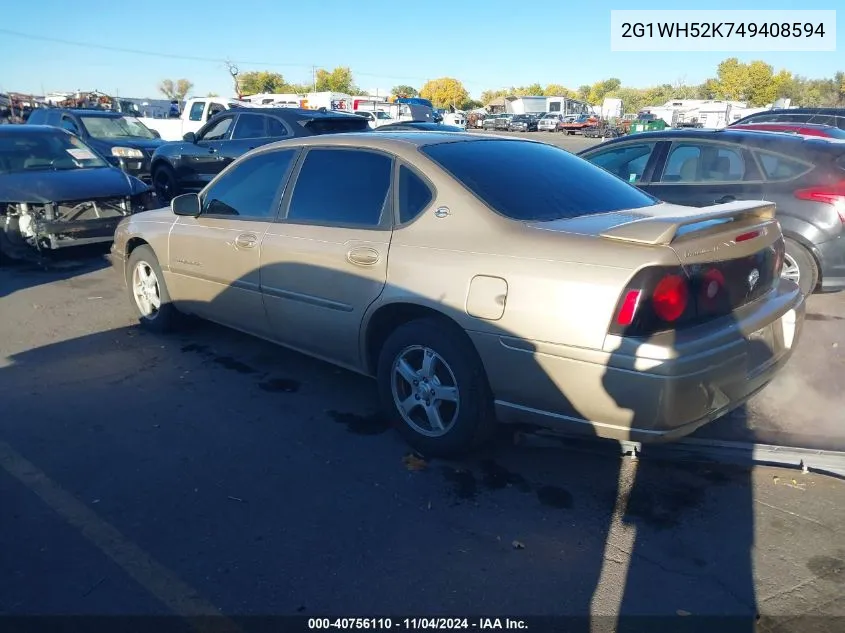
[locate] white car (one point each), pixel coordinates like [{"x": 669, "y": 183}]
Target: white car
[{"x": 549, "y": 122}]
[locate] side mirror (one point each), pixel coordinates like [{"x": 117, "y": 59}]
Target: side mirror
[
  {"x": 190, "y": 137},
  {"x": 187, "y": 204},
  {"x": 156, "y": 133}
]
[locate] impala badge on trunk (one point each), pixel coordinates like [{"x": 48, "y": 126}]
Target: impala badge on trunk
[{"x": 753, "y": 278}]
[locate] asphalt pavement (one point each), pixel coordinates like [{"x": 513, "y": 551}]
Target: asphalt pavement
[{"x": 209, "y": 472}]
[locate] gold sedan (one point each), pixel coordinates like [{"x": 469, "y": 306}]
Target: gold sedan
[{"x": 478, "y": 280}]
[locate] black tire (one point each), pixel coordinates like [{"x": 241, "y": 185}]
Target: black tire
[
  {"x": 808, "y": 270},
  {"x": 165, "y": 318},
  {"x": 474, "y": 421},
  {"x": 164, "y": 183}
]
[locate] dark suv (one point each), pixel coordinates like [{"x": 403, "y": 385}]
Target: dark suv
[
  {"x": 819, "y": 116},
  {"x": 803, "y": 176},
  {"x": 121, "y": 138},
  {"x": 190, "y": 164}
]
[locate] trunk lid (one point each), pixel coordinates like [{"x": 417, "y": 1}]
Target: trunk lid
[{"x": 736, "y": 248}]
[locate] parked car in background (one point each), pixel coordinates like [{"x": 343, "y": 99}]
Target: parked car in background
[
  {"x": 190, "y": 164},
  {"x": 803, "y": 176},
  {"x": 805, "y": 129},
  {"x": 196, "y": 114},
  {"x": 503, "y": 122},
  {"x": 123, "y": 140},
  {"x": 523, "y": 123},
  {"x": 578, "y": 124},
  {"x": 56, "y": 191},
  {"x": 375, "y": 118},
  {"x": 418, "y": 126},
  {"x": 549, "y": 122},
  {"x": 820, "y": 116},
  {"x": 490, "y": 121},
  {"x": 458, "y": 337}
]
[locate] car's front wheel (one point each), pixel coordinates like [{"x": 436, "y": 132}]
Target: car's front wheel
[
  {"x": 164, "y": 183},
  {"x": 148, "y": 293},
  {"x": 433, "y": 387}
]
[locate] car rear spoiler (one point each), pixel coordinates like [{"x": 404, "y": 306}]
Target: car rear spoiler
[{"x": 662, "y": 230}]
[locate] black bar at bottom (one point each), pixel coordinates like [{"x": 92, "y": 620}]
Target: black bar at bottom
[{"x": 294, "y": 624}]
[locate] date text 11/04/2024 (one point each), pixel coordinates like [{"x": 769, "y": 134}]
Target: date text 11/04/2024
[
  {"x": 722, "y": 29},
  {"x": 417, "y": 623}
]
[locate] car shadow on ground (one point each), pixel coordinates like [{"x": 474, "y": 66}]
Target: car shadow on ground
[
  {"x": 18, "y": 275},
  {"x": 601, "y": 534}
]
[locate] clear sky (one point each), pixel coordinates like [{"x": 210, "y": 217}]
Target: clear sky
[{"x": 486, "y": 44}]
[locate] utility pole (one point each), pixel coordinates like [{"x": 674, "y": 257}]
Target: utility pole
[{"x": 314, "y": 78}]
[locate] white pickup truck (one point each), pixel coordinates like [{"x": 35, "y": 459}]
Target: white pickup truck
[{"x": 197, "y": 111}]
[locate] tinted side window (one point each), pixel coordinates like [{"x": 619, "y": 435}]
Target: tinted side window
[
  {"x": 725, "y": 164},
  {"x": 249, "y": 126},
  {"x": 627, "y": 162},
  {"x": 777, "y": 167},
  {"x": 682, "y": 164},
  {"x": 275, "y": 128},
  {"x": 69, "y": 125},
  {"x": 218, "y": 130},
  {"x": 535, "y": 182},
  {"x": 249, "y": 189},
  {"x": 196, "y": 111},
  {"x": 414, "y": 195},
  {"x": 341, "y": 187}
]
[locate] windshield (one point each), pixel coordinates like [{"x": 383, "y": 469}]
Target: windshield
[
  {"x": 116, "y": 127},
  {"x": 380, "y": 114},
  {"x": 521, "y": 117},
  {"x": 38, "y": 152},
  {"x": 533, "y": 181},
  {"x": 551, "y": 116}
]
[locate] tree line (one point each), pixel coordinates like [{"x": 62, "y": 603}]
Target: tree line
[{"x": 754, "y": 82}]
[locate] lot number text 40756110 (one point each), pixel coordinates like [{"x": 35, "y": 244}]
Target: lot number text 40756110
[{"x": 410, "y": 624}]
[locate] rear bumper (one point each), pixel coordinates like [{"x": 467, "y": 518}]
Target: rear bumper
[
  {"x": 636, "y": 398},
  {"x": 832, "y": 264}
]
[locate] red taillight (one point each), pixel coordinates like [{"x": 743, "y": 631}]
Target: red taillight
[
  {"x": 628, "y": 308},
  {"x": 830, "y": 194},
  {"x": 670, "y": 298},
  {"x": 744, "y": 237}
]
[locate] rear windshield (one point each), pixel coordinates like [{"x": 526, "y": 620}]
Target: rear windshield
[
  {"x": 530, "y": 181},
  {"x": 344, "y": 124}
]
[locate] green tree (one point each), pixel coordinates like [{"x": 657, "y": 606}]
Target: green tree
[
  {"x": 212, "y": 94},
  {"x": 444, "y": 92},
  {"x": 262, "y": 81},
  {"x": 488, "y": 96},
  {"x": 583, "y": 92},
  {"x": 558, "y": 90},
  {"x": 338, "y": 80},
  {"x": 471, "y": 104},
  {"x": 177, "y": 90},
  {"x": 599, "y": 90},
  {"x": 404, "y": 91}
]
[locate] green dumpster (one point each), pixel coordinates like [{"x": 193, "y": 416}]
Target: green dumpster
[{"x": 652, "y": 125}]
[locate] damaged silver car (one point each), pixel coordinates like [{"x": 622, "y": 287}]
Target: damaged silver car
[{"x": 56, "y": 191}]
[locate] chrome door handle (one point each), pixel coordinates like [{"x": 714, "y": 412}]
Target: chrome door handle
[
  {"x": 245, "y": 240},
  {"x": 363, "y": 256}
]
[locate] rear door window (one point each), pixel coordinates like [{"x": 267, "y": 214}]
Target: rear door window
[
  {"x": 627, "y": 162},
  {"x": 341, "y": 187},
  {"x": 249, "y": 126},
  {"x": 533, "y": 181}
]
